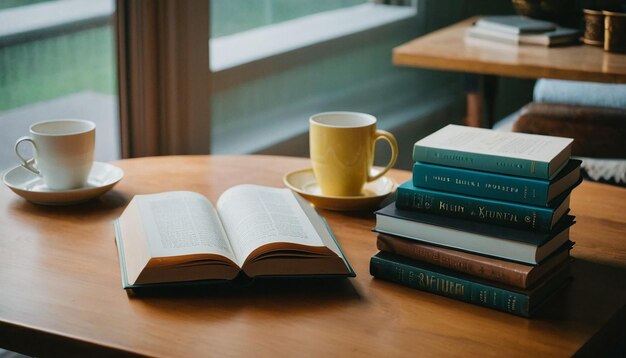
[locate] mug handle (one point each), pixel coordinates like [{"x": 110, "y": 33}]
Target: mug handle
[
  {"x": 27, "y": 163},
  {"x": 393, "y": 144}
]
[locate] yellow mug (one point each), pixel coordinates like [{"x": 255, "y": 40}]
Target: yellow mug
[{"x": 342, "y": 151}]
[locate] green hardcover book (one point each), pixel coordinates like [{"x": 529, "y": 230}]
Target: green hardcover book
[
  {"x": 498, "y": 212},
  {"x": 520, "y": 154},
  {"x": 443, "y": 282}
]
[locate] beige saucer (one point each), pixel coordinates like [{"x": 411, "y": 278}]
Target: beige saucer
[
  {"x": 23, "y": 182},
  {"x": 303, "y": 182}
]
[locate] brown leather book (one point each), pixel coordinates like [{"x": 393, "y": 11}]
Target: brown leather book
[
  {"x": 597, "y": 131},
  {"x": 506, "y": 272}
]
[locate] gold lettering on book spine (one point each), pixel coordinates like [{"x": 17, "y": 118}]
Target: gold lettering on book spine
[
  {"x": 511, "y": 303},
  {"x": 455, "y": 208},
  {"x": 482, "y": 296},
  {"x": 466, "y": 182},
  {"x": 484, "y": 213},
  {"x": 499, "y": 187},
  {"x": 511, "y": 165},
  {"x": 421, "y": 280},
  {"x": 440, "y": 284},
  {"x": 453, "y": 157}
]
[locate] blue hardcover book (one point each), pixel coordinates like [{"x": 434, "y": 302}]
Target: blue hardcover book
[
  {"x": 497, "y": 186},
  {"x": 497, "y": 212},
  {"x": 519, "y": 154}
]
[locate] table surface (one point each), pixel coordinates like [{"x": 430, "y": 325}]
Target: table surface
[
  {"x": 61, "y": 289},
  {"x": 447, "y": 49}
]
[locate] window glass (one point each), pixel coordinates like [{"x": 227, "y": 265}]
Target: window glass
[
  {"x": 232, "y": 16},
  {"x": 57, "y": 60},
  {"x": 273, "y": 65}
]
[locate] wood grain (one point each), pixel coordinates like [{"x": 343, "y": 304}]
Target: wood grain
[
  {"x": 60, "y": 288},
  {"x": 448, "y": 50}
]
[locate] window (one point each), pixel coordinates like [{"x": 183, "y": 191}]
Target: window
[
  {"x": 293, "y": 59},
  {"x": 232, "y": 16},
  {"x": 57, "y": 60},
  {"x": 269, "y": 75}
]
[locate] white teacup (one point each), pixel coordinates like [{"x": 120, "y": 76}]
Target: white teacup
[{"x": 63, "y": 152}]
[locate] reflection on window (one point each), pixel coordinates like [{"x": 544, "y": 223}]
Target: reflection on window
[
  {"x": 232, "y": 16},
  {"x": 57, "y": 60},
  {"x": 41, "y": 69},
  {"x": 276, "y": 62}
]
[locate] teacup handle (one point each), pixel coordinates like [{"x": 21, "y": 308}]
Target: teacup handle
[
  {"x": 393, "y": 144},
  {"x": 26, "y": 163}
]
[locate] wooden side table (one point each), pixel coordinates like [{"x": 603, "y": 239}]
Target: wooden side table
[{"x": 447, "y": 50}]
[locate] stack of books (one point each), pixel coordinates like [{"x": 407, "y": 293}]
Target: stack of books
[
  {"x": 484, "y": 219},
  {"x": 521, "y": 30}
]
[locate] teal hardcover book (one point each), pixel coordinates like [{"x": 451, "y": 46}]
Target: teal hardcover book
[
  {"x": 518, "y": 154},
  {"x": 180, "y": 238},
  {"x": 425, "y": 277},
  {"x": 497, "y": 186},
  {"x": 535, "y": 218}
]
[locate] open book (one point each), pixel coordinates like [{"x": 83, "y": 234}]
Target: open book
[{"x": 179, "y": 236}]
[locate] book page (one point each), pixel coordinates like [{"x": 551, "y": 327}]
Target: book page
[
  {"x": 182, "y": 223},
  {"x": 254, "y": 216}
]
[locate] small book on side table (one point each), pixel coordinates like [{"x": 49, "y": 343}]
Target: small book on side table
[
  {"x": 180, "y": 237},
  {"x": 515, "y": 24},
  {"x": 558, "y": 36}
]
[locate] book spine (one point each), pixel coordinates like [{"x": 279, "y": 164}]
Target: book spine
[
  {"x": 483, "y": 184},
  {"x": 454, "y": 260},
  {"x": 483, "y": 162},
  {"x": 470, "y": 208},
  {"x": 450, "y": 286}
]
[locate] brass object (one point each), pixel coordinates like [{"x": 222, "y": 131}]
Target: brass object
[
  {"x": 563, "y": 12},
  {"x": 614, "y": 31},
  {"x": 594, "y": 27}
]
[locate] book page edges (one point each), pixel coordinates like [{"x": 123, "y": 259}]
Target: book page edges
[
  {"x": 120, "y": 254},
  {"x": 298, "y": 266},
  {"x": 208, "y": 271},
  {"x": 132, "y": 237},
  {"x": 570, "y": 181},
  {"x": 323, "y": 229},
  {"x": 560, "y": 161},
  {"x": 560, "y": 211},
  {"x": 181, "y": 260}
]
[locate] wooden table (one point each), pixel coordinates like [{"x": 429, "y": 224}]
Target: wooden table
[
  {"x": 60, "y": 289},
  {"x": 448, "y": 50}
]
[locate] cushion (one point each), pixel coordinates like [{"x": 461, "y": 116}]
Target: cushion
[
  {"x": 580, "y": 93},
  {"x": 597, "y": 131},
  {"x": 607, "y": 170}
]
